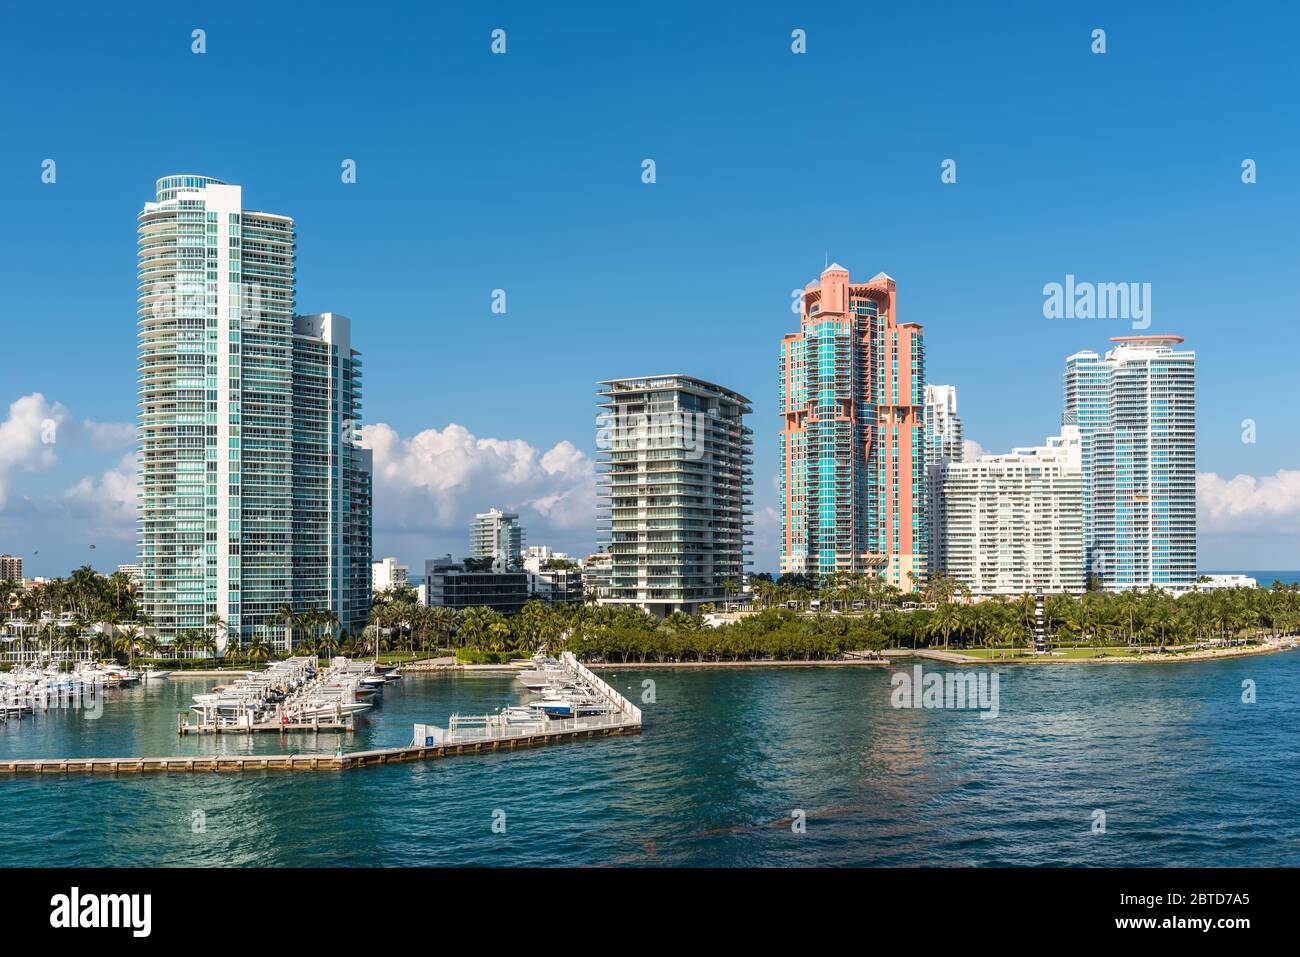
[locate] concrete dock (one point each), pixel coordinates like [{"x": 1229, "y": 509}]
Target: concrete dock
[
  {"x": 486, "y": 735},
  {"x": 583, "y": 728}
]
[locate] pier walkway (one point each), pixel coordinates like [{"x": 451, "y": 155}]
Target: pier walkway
[
  {"x": 569, "y": 731},
  {"x": 483, "y": 735}
]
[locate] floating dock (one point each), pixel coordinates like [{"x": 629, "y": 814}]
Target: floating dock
[
  {"x": 482, "y": 735},
  {"x": 282, "y": 726}
]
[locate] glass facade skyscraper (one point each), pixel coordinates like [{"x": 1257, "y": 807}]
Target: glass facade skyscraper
[
  {"x": 853, "y": 445},
  {"x": 675, "y": 490},
  {"x": 332, "y": 474},
  {"x": 1136, "y": 414},
  {"x": 253, "y": 492}
]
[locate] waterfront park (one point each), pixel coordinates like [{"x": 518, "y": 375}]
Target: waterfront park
[{"x": 87, "y": 616}]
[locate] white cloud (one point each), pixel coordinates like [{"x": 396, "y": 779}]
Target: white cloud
[
  {"x": 28, "y": 438},
  {"x": 107, "y": 504},
  {"x": 106, "y": 435},
  {"x": 971, "y": 450},
  {"x": 438, "y": 479},
  {"x": 767, "y": 537},
  {"x": 1246, "y": 503},
  {"x": 35, "y": 428}
]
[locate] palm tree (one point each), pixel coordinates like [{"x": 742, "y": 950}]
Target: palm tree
[
  {"x": 219, "y": 624},
  {"x": 80, "y": 625},
  {"x": 102, "y": 643},
  {"x": 444, "y": 622},
  {"x": 184, "y": 640},
  {"x": 286, "y": 616},
  {"x": 50, "y": 633},
  {"x": 944, "y": 620},
  {"x": 259, "y": 649},
  {"x": 330, "y": 622},
  {"x": 69, "y": 640},
  {"x": 1009, "y": 630},
  {"x": 377, "y": 642},
  {"x": 205, "y": 643},
  {"x": 128, "y": 638}
]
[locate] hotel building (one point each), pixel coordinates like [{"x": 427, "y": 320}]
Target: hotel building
[
  {"x": 253, "y": 491},
  {"x": 674, "y": 492},
  {"x": 853, "y": 443},
  {"x": 1135, "y": 410},
  {"x": 1012, "y": 524}
]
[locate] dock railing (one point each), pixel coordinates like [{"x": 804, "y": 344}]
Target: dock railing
[
  {"x": 503, "y": 726},
  {"x": 624, "y": 706}
]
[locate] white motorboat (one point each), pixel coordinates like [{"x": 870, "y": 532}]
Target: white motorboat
[
  {"x": 554, "y": 707},
  {"x": 331, "y": 709}
]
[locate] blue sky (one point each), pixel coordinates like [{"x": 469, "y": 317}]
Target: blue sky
[{"x": 523, "y": 172}]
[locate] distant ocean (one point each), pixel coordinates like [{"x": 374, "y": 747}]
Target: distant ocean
[{"x": 1265, "y": 578}]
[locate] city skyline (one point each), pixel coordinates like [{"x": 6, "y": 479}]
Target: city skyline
[{"x": 978, "y": 293}]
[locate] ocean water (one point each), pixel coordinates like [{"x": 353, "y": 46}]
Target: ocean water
[
  {"x": 1184, "y": 771},
  {"x": 1266, "y": 578}
]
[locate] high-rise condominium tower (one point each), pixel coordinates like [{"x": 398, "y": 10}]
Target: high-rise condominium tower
[
  {"x": 853, "y": 446},
  {"x": 943, "y": 444},
  {"x": 499, "y": 536},
  {"x": 675, "y": 492},
  {"x": 943, "y": 437},
  {"x": 1011, "y": 524},
  {"x": 253, "y": 492},
  {"x": 11, "y": 569},
  {"x": 1136, "y": 414}
]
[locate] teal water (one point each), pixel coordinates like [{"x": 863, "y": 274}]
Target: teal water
[
  {"x": 1266, "y": 578},
  {"x": 1185, "y": 772}
]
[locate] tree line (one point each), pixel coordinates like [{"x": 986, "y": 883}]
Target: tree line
[{"x": 796, "y": 619}]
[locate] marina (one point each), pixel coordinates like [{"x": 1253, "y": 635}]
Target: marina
[
  {"x": 571, "y": 703},
  {"x": 290, "y": 695},
  {"x": 35, "y": 689}
]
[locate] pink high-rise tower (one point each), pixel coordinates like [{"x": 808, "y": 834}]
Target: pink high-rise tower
[{"x": 853, "y": 443}]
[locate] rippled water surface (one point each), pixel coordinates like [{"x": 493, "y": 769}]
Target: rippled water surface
[{"x": 1185, "y": 772}]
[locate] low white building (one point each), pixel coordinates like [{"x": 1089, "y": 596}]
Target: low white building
[
  {"x": 1011, "y": 524},
  {"x": 536, "y": 557},
  {"x": 387, "y": 573},
  {"x": 1216, "y": 582}
]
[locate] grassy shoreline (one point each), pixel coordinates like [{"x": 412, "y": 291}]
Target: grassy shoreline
[
  {"x": 1098, "y": 655},
  {"x": 1087, "y": 656},
  {"x": 1104, "y": 655}
]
